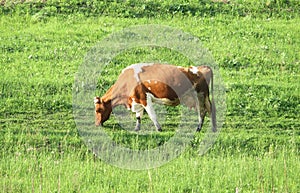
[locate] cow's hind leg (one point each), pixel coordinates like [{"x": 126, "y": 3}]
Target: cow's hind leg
[
  {"x": 201, "y": 111},
  {"x": 211, "y": 109},
  {"x": 202, "y": 114}
]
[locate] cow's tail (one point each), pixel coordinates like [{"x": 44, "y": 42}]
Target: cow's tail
[{"x": 213, "y": 106}]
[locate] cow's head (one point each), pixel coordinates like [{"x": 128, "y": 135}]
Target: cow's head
[{"x": 102, "y": 111}]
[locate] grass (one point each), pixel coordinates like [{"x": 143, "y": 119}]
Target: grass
[
  {"x": 42, "y": 151},
  {"x": 80, "y": 172},
  {"x": 152, "y": 8}
]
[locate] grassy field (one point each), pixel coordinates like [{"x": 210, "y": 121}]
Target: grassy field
[{"x": 258, "y": 55}]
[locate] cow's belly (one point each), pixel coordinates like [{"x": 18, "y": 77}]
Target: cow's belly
[
  {"x": 138, "y": 107},
  {"x": 164, "y": 101}
]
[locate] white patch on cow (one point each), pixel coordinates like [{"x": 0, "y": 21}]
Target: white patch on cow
[
  {"x": 149, "y": 81},
  {"x": 136, "y": 107},
  {"x": 137, "y": 68},
  {"x": 155, "y": 82},
  {"x": 140, "y": 113},
  {"x": 194, "y": 70},
  {"x": 96, "y": 100},
  {"x": 149, "y": 88}
]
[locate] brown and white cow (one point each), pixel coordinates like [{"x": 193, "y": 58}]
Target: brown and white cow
[{"x": 139, "y": 85}]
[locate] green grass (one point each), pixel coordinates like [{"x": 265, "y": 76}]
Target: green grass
[
  {"x": 41, "y": 10},
  {"x": 256, "y": 151}
]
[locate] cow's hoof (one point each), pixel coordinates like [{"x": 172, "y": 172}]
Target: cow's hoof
[
  {"x": 159, "y": 130},
  {"x": 198, "y": 129},
  {"x": 137, "y": 128}
]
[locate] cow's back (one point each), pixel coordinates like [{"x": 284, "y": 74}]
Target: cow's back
[{"x": 172, "y": 76}]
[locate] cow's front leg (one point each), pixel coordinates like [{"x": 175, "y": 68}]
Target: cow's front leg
[
  {"x": 138, "y": 124},
  {"x": 150, "y": 110},
  {"x": 138, "y": 120},
  {"x": 138, "y": 109}
]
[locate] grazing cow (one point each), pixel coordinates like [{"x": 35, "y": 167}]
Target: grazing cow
[{"x": 139, "y": 85}]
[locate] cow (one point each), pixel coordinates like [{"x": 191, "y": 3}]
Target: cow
[{"x": 141, "y": 85}]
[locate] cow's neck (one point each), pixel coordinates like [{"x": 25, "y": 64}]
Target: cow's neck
[{"x": 113, "y": 98}]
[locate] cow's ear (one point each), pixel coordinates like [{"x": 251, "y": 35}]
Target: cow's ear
[{"x": 97, "y": 100}]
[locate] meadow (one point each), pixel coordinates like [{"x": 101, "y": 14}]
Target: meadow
[{"x": 254, "y": 43}]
